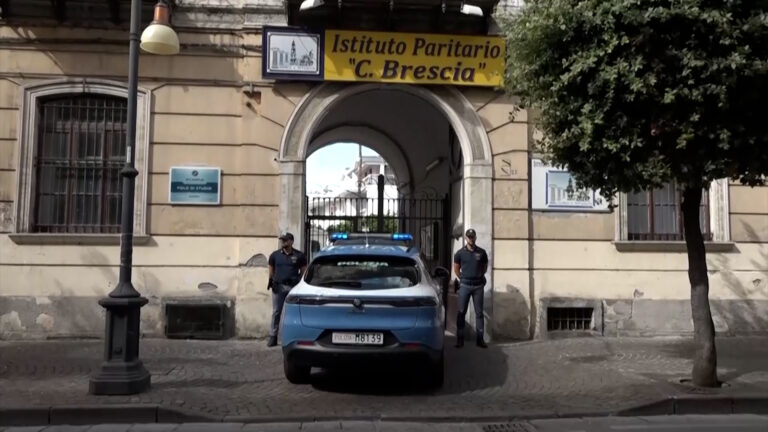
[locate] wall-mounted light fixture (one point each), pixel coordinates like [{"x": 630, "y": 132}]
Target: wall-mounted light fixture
[
  {"x": 159, "y": 37},
  {"x": 310, "y": 4},
  {"x": 432, "y": 165},
  {"x": 471, "y": 10}
]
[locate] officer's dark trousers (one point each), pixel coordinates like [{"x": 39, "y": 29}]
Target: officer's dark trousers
[
  {"x": 279, "y": 293},
  {"x": 465, "y": 292}
]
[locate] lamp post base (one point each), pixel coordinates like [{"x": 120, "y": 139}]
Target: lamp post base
[
  {"x": 120, "y": 378},
  {"x": 122, "y": 372}
]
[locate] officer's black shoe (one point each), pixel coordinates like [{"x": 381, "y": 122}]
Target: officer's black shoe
[
  {"x": 459, "y": 341},
  {"x": 481, "y": 343},
  {"x": 272, "y": 341}
]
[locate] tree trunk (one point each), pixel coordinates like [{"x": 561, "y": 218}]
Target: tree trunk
[{"x": 705, "y": 358}]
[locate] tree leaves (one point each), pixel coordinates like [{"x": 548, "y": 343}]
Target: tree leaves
[{"x": 636, "y": 93}]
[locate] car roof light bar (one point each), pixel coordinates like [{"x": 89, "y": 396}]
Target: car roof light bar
[{"x": 371, "y": 237}]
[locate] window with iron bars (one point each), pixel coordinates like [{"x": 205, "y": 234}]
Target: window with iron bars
[
  {"x": 81, "y": 148},
  {"x": 656, "y": 215}
]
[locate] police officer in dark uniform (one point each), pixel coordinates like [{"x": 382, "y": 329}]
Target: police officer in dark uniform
[
  {"x": 470, "y": 264},
  {"x": 286, "y": 266}
]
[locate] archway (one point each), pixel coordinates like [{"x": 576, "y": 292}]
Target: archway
[{"x": 320, "y": 117}]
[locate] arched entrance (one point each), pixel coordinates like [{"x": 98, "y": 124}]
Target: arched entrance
[{"x": 334, "y": 111}]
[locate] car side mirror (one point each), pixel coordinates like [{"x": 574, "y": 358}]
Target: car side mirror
[{"x": 441, "y": 272}]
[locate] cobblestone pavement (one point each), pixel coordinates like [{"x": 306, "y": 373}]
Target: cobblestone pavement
[{"x": 243, "y": 378}]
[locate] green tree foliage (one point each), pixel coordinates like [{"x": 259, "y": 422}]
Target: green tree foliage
[
  {"x": 632, "y": 94},
  {"x": 635, "y": 93}
]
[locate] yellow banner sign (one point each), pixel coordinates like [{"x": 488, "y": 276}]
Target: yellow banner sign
[{"x": 413, "y": 58}]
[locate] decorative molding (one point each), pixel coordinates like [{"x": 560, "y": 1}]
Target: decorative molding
[
  {"x": 476, "y": 188},
  {"x": 669, "y": 246},
  {"x": 74, "y": 239},
  {"x": 25, "y": 178}
]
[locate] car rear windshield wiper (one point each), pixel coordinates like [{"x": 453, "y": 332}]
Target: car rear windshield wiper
[{"x": 342, "y": 282}]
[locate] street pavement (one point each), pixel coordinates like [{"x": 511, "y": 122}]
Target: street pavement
[
  {"x": 241, "y": 381},
  {"x": 692, "y": 423}
]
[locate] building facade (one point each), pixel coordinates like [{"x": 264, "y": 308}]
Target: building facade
[{"x": 562, "y": 260}]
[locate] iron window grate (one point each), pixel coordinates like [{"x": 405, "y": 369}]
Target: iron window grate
[
  {"x": 569, "y": 318},
  {"x": 656, "y": 215},
  {"x": 80, "y": 150}
]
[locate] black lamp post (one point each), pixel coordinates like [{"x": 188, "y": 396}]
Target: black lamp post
[{"x": 122, "y": 371}]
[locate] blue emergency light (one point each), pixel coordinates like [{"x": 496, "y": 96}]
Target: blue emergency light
[
  {"x": 371, "y": 237},
  {"x": 339, "y": 236}
]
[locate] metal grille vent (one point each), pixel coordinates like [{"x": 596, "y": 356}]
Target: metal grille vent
[
  {"x": 508, "y": 427},
  {"x": 569, "y": 319},
  {"x": 197, "y": 321}
]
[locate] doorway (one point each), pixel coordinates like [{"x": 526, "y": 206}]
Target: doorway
[{"x": 435, "y": 147}]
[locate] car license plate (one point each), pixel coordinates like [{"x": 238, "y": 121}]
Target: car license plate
[{"x": 358, "y": 338}]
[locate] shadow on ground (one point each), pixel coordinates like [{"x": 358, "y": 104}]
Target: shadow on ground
[{"x": 402, "y": 380}]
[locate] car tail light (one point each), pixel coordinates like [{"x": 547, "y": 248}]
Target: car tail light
[
  {"x": 306, "y": 343},
  {"x": 411, "y": 345},
  {"x": 426, "y": 301}
]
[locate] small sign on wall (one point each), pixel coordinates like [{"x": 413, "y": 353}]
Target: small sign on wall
[
  {"x": 292, "y": 53},
  {"x": 555, "y": 189},
  {"x": 195, "y": 185}
]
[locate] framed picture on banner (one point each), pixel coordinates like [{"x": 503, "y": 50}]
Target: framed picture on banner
[
  {"x": 292, "y": 53},
  {"x": 554, "y": 188}
]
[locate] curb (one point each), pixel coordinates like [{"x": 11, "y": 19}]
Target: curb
[
  {"x": 676, "y": 405},
  {"x": 98, "y": 414}
]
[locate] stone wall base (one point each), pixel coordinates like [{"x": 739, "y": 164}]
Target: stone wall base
[{"x": 82, "y": 317}]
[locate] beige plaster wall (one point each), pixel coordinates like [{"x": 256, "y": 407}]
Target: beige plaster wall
[
  {"x": 204, "y": 111},
  {"x": 573, "y": 254}
]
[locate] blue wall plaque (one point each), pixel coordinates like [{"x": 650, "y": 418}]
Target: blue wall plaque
[{"x": 195, "y": 185}]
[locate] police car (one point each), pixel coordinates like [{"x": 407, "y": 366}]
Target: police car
[{"x": 365, "y": 298}]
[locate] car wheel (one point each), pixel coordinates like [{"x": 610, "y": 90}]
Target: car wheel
[
  {"x": 436, "y": 373},
  {"x": 296, "y": 374}
]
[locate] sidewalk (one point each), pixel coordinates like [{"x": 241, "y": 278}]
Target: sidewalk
[
  {"x": 692, "y": 423},
  {"x": 242, "y": 381}
]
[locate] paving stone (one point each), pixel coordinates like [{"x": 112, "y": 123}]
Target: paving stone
[
  {"x": 23, "y": 429},
  {"x": 560, "y": 425},
  {"x": 114, "y": 427},
  {"x": 66, "y": 428},
  {"x": 709, "y": 420},
  {"x": 206, "y": 427},
  {"x": 358, "y": 426},
  {"x": 272, "y": 427},
  {"x": 153, "y": 427},
  {"x": 243, "y": 381},
  {"x": 321, "y": 426}
]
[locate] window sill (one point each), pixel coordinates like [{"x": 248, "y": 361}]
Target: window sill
[
  {"x": 74, "y": 239},
  {"x": 669, "y": 246}
]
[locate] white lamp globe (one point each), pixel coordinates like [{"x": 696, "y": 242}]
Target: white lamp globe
[{"x": 160, "y": 39}]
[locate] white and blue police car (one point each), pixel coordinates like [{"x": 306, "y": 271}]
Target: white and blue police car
[{"x": 365, "y": 298}]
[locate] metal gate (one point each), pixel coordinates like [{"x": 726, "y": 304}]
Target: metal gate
[{"x": 426, "y": 219}]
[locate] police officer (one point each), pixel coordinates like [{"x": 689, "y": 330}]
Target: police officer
[
  {"x": 470, "y": 264},
  {"x": 286, "y": 266}
]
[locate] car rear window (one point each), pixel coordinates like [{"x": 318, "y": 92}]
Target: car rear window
[{"x": 367, "y": 272}]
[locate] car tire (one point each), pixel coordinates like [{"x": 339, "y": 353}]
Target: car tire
[
  {"x": 296, "y": 374},
  {"x": 436, "y": 373}
]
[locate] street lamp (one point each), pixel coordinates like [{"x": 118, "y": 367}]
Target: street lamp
[{"x": 122, "y": 372}]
